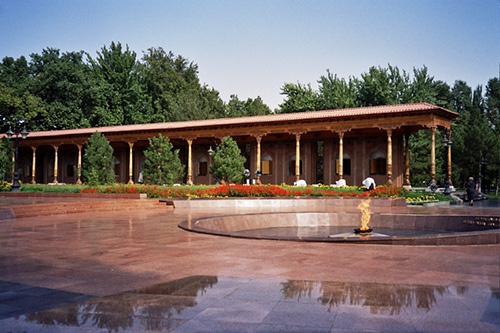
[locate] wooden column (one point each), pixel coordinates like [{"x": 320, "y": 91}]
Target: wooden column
[
  {"x": 433, "y": 155},
  {"x": 341, "y": 155},
  {"x": 33, "y": 166},
  {"x": 297, "y": 157},
  {"x": 259, "y": 138},
  {"x": 131, "y": 163},
  {"x": 190, "y": 162},
  {"x": 13, "y": 163},
  {"x": 56, "y": 162},
  {"x": 79, "y": 165},
  {"x": 407, "y": 160},
  {"x": 449, "y": 161},
  {"x": 389, "y": 157}
]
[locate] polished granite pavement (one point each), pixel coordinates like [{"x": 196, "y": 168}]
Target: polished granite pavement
[
  {"x": 214, "y": 304},
  {"x": 240, "y": 284}
]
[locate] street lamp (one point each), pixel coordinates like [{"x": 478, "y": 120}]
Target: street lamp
[
  {"x": 447, "y": 144},
  {"x": 24, "y": 133}
]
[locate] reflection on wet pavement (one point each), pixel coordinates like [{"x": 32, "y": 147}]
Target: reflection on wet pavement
[{"x": 212, "y": 304}]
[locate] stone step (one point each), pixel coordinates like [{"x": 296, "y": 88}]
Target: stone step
[{"x": 43, "y": 209}]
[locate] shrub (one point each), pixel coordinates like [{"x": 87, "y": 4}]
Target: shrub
[
  {"x": 228, "y": 163},
  {"x": 98, "y": 161},
  {"x": 162, "y": 165}
]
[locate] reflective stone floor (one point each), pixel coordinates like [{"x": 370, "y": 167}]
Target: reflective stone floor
[
  {"x": 136, "y": 271},
  {"x": 215, "y": 304}
]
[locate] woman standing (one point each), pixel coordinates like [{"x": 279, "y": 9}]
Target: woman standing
[{"x": 471, "y": 189}]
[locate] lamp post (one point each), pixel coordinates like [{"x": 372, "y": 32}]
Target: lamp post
[
  {"x": 24, "y": 133},
  {"x": 447, "y": 144}
]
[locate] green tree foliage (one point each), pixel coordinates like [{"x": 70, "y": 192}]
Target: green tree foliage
[
  {"x": 16, "y": 100},
  {"x": 162, "y": 164},
  {"x": 337, "y": 93},
  {"x": 64, "y": 83},
  {"x": 250, "y": 107},
  {"x": 228, "y": 165},
  {"x": 55, "y": 90},
  {"x": 299, "y": 98},
  {"x": 122, "y": 88},
  {"x": 98, "y": 161},
  {"x": 5, "y": 159},
  {"x": 380, "y": 86},
  {"x": 493, "y": 103}
]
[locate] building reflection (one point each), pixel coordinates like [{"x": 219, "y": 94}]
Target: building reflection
[
  {"x": 380, "y": 298},
  {"x": 166, "y": 306},
  {"x": 145, "y": 308}
]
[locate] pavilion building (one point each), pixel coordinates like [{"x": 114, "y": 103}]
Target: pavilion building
[{"x": 318, "y": 146}]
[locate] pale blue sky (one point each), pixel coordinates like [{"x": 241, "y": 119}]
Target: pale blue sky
[{"x": 251, "y": 48}]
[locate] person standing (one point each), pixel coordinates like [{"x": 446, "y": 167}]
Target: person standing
[{"x": 471, "y": 189}]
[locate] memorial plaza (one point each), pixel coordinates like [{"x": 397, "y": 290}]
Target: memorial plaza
[{"x": 125, "y": 265}]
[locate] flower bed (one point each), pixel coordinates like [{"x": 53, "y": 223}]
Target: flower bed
[
  {"x": 227, "y": 191},
  {"x": 231, "y": 191}
]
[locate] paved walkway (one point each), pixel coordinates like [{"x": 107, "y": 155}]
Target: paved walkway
[{"x": 240, "y": 284}]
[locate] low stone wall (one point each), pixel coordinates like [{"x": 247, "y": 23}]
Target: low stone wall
[{"x": 308, "y": 202}]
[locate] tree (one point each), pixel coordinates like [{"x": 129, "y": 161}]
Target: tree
[
  {"x": 118, "y": 73},
  {"x": 228, "y": 163},
  {"x": 381, "y": 86},
  {"x": 171, "y": 81},
  {"x": 6, "y": 163},
  {"x": 98, "y": 161},
  {"x": 336, "y": 93},
  {"x": 493, "y": 114},
  {"x": 162, "y": 165},
  {"x": 64, "y": 83},
  {"x": 299, "y": 98},
  {"x": 252, "y": 107}
]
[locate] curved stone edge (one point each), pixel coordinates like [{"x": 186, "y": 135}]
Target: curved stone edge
[{"x": 463, "y": 236}]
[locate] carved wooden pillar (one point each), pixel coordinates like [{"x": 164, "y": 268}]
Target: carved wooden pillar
[
  {"x": 259, "y": 138},
  {"x": 190, "y": 162},
  {"x": 297, "y": 157},
  {"x": 131, "y": 163},
  {"x": 56, "y": 162},
  {"x": 449, "y": 161},
  {"x": 389, "y": 157},
  {"x": 79, "y": 165},
  {"x": 13, "y": 164},
  {"x": 407, "y": 160},
  {"x": 341, "y": 155},
  {"x": 33, "y": 166},
  {"x": 433, "y": 155}
]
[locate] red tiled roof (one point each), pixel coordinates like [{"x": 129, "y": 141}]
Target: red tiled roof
[{"x": 300, "y": 116}]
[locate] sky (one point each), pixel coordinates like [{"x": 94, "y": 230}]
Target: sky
[{"x": 252, "y": 48}]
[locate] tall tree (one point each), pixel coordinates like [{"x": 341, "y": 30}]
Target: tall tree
[
  {"x": 63, "y": 82},
  {"x": 380, "y": 86},
  {"x": 162, "y": 165},
  {"x": 98, "y": 161},
  {"x": 299, "y": 98},
  {"x": 5, "y": 159},
  {"x": 171, "y": 81},
  {"x": 337, "y": 93},
  {"x": 228, "y": 163},
  {"x": 251, "y": 107},
  {"x": 123, "y": 89}
]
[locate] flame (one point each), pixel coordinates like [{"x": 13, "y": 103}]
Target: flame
[{"x": 365, "y": 214}]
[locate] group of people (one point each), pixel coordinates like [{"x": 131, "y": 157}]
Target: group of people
[{"x": 470, "y": 188}]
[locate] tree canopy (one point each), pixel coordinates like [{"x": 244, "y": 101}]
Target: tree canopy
[{"x": 62, "y": 90}]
